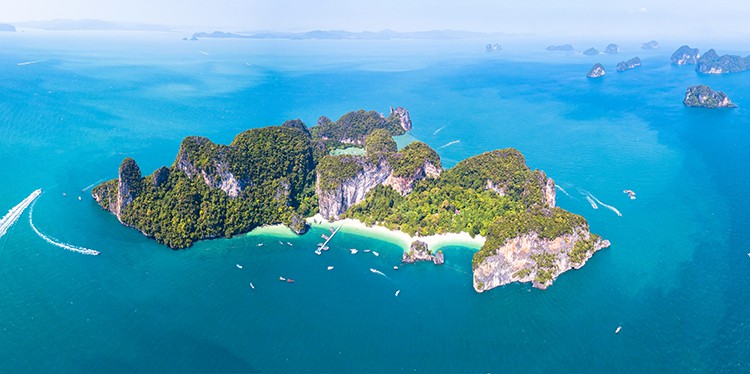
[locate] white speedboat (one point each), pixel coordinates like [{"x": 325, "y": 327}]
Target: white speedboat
[
  {"x": 398, "y": 292},
  {"x": 251, "y": 285},
  {"x": 330, "y": 268},
  {"x": 282, "y": 279},
  {"x": 354, "y": 251},
  {"x": 238, "y": 266},
  {"x": 618, "y": 329},
  {"x": 395, "y": 267},
  {"x": 375, "y": 253}
]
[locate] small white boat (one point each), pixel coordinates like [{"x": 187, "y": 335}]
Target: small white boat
[
  {"x": 282, "y": 279},
  {"x": 318, "y": 252},
  {"x": 290, "y": 244},
  {"x": 260, "y": 244},
  {"x": 376, "y": 271},
  {"x": 324, "y": 236},
  {"x": 395, "y": 267},
  {"x": 79, "y": 198},
  {"x": 332, "y": 230},
  {"x": 280, "y": 242},
  {"x": 375, "y": 253},
  {"x": 325, "y": 248},
  {"x": 398, "y": 292},
  {"x": 330, "y": 268},
  {"x": 65, "y": 195},
  {"x": 748, "y": 254},
  {"x": 251, "y": 285},
  {"x": 618, "y": 329},
  {"x": 238, "y": 266},
  {"x": 367, "y": 250},
  {"x": 354, "y": 251}
]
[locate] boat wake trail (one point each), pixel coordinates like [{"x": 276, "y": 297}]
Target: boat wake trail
[
  {"x": 563, "y": 191},
  {"x": 450, "y": 143},
  {"x": 92, "y": 185},
  {"x": 376, "y": 271},
  {"x": 56, "y": 243},
  {"x": 438, "y": 130},
  {"x": 610, "y": 207},
  {"x": 593, "y": 204},
  {"x": 12, "y": 216}
]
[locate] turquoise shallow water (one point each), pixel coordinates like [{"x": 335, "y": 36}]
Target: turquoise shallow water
[{"x": 675, "y": 277}]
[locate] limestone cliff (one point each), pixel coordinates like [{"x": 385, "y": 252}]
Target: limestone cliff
[
  {"x": 685, "y": 56},
  {"x": 629, "y": 64},
  {"x": 199, "y": 157},
  {"x": 117, "y": 194},
  {"x": 403, "y": 115},
  {"x": 418, "y": 251},
  {"x": 529, "y": 258},
  {"x": 711, "y": 63},
  {"x": 335, "y": 199},
  {"x": 403, "y": 185},
  {"x": 702, "y": 96},
  {"x": 596, "y": 71}
]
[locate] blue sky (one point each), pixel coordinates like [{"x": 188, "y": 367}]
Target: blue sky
[{"x": 543, "y": 17}]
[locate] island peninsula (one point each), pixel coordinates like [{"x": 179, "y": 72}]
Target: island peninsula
[{"x": 283, "y": 174}]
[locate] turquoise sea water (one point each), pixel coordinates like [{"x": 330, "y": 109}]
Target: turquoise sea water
[{"x": 675, "y": 277}]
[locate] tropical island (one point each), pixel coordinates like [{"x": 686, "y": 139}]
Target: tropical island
[
  {"x": 286, "y": 174},
  {"x": 702, "y": 96}
]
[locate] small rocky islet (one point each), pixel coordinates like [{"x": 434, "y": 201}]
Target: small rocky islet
[
  {"x": 702, "y": 96},
  {"x": 629, "y": 64},
  {"x": 596, "y": 71},
  {"x": 282, "y": 174}
]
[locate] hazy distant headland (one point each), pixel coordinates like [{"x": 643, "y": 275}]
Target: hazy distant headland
[
  {"x": 7, "y": 27},
  {"x": 342, "y": 35}
]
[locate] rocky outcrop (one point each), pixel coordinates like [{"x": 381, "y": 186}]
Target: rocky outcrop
[
  {"x": 563, "y": 47},
  {"x": 591, "y": 52},
  {"x": 298, "y": 224},
  {"x": 629, "y": 64},
  {"x": 116, "y": 195},
  {"x": 612, "y": 49},
  {"x": 702, "y": 96},
  {"x": 334, "y": 202},
  {"x": 596, "y": 71},
  {"x": 712, "y": 63},
  {"x": 550, "y": 193},
  {"x": 419, "y": 251},
  {"x": 403, "y": 185},
  {"x": 529, "y": 258},
  {"x": 493, "y": 47},
  {"x": 403, "y": 114},
  {"x": 685, "y": 56},
  {"x": 213, "y": 167},
  {"x": 650, "y": 45},
  {"x": 160, "y": 176}
]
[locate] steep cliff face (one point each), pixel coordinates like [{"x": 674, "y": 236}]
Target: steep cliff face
[
  {"x": 685, "y": 56},
  {"x": 702, "y": 96},
  {"x": 550, "y": 193},
  {"x": 117, "y": 194},
  {"x": 211, "y": 165},
  {"x": 404, "y": 118},
  {"x": 332, "y": 202},
  {"x": 419, "y": 251},
  {"x": 596, "y": 71},
  {"x": 404, "y": 185},
  {"x": 629, "y": 64},
  {"x": 711, "y": 63},
  {"x": 529, "y": 258}
]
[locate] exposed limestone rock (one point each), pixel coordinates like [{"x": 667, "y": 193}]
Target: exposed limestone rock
[
  {"x": 596, "y": 71},
  {"x": 128, "y": 185},
  {"x": 529, "y": 258},
  {"x": 685, "y": 56},
  {"x": 298, "y": 224},
  {"x": 160, "y": 176},
  {"x": 550, "y": 193},
  {"x": 332, "y": 203},
  {"x": 418, "y": 251},
  {"x": 629, "y": 64},
  {"x": 404, "y": 116},
  {"x": 712, "y": 63},
  {"x": 702, "y": 96},
  {"x": 403, "y": 185},
  {"x": 215, "y": 173}
]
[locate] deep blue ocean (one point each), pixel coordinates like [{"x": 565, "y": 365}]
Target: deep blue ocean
[{"x": 676, "y": 277}]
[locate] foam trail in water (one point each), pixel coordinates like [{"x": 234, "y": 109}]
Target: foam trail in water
[
  {"x": 450, "y": 143},
  {"x": 92, "y": 185},
  {"x": 610, "y": 207},
  {"x": 593, "y": 204},
  {"x": 56, "y": 243},
  {"x": 12, "y": 216},
  {"x": 438, "y": 130},
  {"x": 28, "y": 63},
  {"x": 563, "y": 191}
]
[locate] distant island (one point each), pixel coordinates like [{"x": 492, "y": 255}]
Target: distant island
[
  {"x": 711, "y": 63},
  {"x": 7, "y": 27},
  {"x": 342, "y": 35},
  {"x": 629, "y": 64},
  {"x": 612, "y": 49},
  {"x": 90, "y": 24},
  {"x": 591, "y": 52},
  {"x": 564, "y": 47},
  {"x": 685, "y": 56},
  {"x": 596, "y": 71},
  {"x": 650, "y": 45},
  {"x": 283, "y": 174},
  {"x": 702, "y": 96}
]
